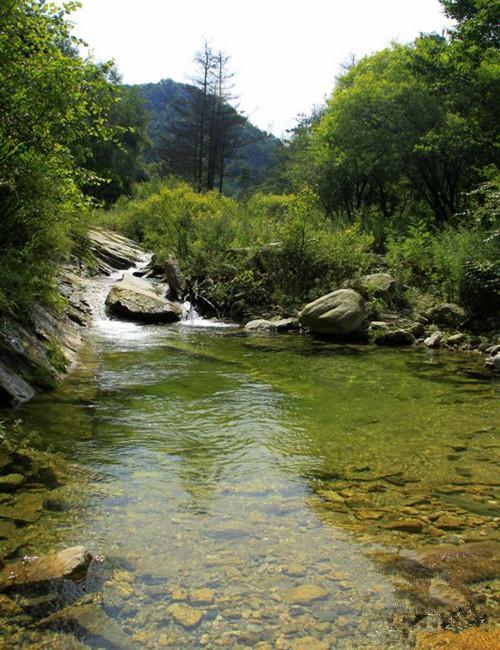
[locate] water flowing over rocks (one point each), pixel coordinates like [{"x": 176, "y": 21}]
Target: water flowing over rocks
[
  {"x": 137, "y": 299},
  {"x": 35, "y": 354},
  {"x": 341, "y": 312}
]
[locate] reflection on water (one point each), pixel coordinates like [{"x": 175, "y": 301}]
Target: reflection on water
[{"x": 238, "y": 484}]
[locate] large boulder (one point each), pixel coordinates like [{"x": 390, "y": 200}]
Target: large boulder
[
  {"x": 138, "y": 299},
  {"x": 341, "y": 312}
]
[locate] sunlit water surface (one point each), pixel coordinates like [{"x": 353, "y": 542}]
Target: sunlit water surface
[{"x": 202, "y": 453}]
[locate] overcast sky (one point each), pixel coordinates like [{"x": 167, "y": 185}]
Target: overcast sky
[{"x": 285, "y": 53}]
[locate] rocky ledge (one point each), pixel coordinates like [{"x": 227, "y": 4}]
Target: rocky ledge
[
  {"x": 37, "y": 352},
  {"x": 142, "y": 300}
]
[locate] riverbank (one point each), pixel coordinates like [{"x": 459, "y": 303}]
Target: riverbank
[
  {"x": 252, "y": 490},
  {"x": 359, "y": 482},
  {"x": 36, "y": 353}
]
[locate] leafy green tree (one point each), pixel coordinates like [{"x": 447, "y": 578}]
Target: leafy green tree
[
  {"x": 50, "y": 101},
  {"x": 117, "y": 161}
]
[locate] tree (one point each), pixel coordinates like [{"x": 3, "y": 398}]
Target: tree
[
  {"x": 197, "y": 143},
  {"x": 117, "y": 162},
  {"x": 51, "y": 100}
]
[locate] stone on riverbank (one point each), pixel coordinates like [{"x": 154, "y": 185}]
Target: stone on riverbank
[
  {"x": 175, "y": 279},
  {"x": 138, "y": 299},
  {"x": 447, "y": 314},
  {"x": 275, "y": 325},
  {"x": 11, "y": 482},
  {"x": 435, "y": 340},
  {"x": 379, "y": 284},
  {"x": 71, "y": 564},
  {"x": 339, "y": 313},
  {"x": 493, "y": 362},
  {"x": 393, "y": 338}
]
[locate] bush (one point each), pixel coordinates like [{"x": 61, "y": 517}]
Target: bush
[
  {"x": 452, "y": 263},
  {"x": 273, "y": 249}
]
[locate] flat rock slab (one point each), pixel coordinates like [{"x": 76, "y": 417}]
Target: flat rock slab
[
  {"x": 113, "y": 250},
  {"x": 11, "y": 482},
  {"x": 72, "y": 564},
  {"x": 138, "y": 299},
  {"x": 26, "y": 510},
  {"x": 276, "y": 325}
]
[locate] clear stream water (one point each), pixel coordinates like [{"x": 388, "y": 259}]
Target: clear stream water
[{"x": 251, "y": 465}]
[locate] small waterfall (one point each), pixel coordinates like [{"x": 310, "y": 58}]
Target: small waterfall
[
  {"x": 191, "y": 318},
  {"x": 98, "y": 289}
]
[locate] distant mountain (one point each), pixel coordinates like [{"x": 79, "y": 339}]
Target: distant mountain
[{"x": 250, "y": 165}]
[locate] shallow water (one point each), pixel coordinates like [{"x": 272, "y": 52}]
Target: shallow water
[{"x": 250, "y": 465}]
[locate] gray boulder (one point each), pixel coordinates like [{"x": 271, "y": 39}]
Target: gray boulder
[
  {"x": 435, "y": 340},
  {"x": 493, "y": 362},
  {"x": 341, "y": 312},
  {"x": 275, "y": 325},
  {"x": 379, "y": 284},
  {"x": 137, "y": 299}
]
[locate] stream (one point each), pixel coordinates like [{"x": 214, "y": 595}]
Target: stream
[{"x": 239, "y": 489}]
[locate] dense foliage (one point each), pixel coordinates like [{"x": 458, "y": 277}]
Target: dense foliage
[
  {"x": 56, "y": 140},
  {"x": 398, "y": 171},
  {"x": 270, "y": 250}
]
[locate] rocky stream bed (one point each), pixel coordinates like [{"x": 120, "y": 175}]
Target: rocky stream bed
[{"x": 226, "y": 487}]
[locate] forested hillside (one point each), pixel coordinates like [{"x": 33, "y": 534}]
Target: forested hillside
[{"x": 250, "y": 164}]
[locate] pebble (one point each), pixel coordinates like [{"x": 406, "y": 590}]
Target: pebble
[
  {"x": 309, "y": 643},
  {"x": 202, "y": 596},
  {"x": 305, "y": 594},
  {"x": 187, "y": 616}
]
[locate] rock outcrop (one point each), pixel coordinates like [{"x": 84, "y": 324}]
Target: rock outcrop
[
  {"x": 339, "y": 313},
  {"x": 137, "y": 299},
  {"x": 112, "y": 251},
  {"x": 37, "y": 352},
  {"x": 175, "y": 279}
]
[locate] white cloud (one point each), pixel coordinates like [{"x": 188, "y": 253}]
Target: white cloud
[{"x": 285, "y": 53}]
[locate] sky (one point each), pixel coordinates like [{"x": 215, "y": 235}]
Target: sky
[{"x": 285, "y": 53}]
